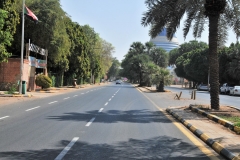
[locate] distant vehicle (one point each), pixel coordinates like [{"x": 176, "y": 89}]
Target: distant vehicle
[
  {"x": 234, "y": 91},
  {"x": 225, "y": 88},
  {"x": 118, "y": 82},
  {"x": 202, "y": 87}
]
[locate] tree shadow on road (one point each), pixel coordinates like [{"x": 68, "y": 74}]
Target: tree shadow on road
[
  {"x": 114, "y": 116},
  {"x": 162, "y": 147}
]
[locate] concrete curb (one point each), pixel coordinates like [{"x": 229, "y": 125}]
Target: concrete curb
[
  {"x": 205, "y": 138},
  {"x": 47, "y": 91},
  {"x": 16, "y": 95},
  {"x": 216, "y": 119}
]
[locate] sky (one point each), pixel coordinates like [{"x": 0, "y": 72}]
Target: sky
[{"x": 119, "y": 22}]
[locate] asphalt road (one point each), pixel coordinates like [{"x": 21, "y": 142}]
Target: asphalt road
[
  {"x": 105, "y": 122},
  {"x": 204, "y": 97}
]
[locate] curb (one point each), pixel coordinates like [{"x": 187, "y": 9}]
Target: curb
[
  {"x": 217, "y": 119},
  {"x": 205, "y": 138},
  {"x": 47, "y": 91},
  {"x": 16, "y": 95}
]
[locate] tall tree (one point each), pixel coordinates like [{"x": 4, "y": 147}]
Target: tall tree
[
  {"x": 78, "y": 59},
  {"x": 218, "y": 14},
  {"x": 159, "y": 57},
  {"x": 114, "y": 69},
  {"x": 5, "y": 37},
  {"x": 9, "y": 21}
]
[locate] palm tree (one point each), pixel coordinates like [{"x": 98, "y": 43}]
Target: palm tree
[{"x": 218, "y": 14}]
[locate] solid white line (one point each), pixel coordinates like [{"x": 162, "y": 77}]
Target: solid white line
[
  {"x": 100, "y": 110},
  {"x": 4, "y": 117},
  {"x": 90, "y": 122},
  {"x": 75, "y": 95},
  {"x": 106, "y": 103},
  {"x": 32, "y": 108},
  {"x": 66, "y": 149},
  {"x": 67, "y": 98},
  {"x": 110, "y": 99},
  {"x": 52, "y": 102}
]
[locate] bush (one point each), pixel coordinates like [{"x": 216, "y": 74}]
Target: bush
[
  {"x": 43, "y": 81},
  {"x": 12, "y": 89},
  {"x": 53, "y": 78}
]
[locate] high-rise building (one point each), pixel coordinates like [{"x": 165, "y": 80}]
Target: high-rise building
[{"x": 162, "y": 41}]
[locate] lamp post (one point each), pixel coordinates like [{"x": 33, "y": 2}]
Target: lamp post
[{"x": 22, "y": 45}]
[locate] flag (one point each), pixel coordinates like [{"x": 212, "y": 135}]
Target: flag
[{"x": 30, "y": 14}]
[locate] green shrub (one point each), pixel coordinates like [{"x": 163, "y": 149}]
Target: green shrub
[
  {"x": 53, "y": 78},
  {"x": 43, "y": 81},
  {"x": 12, "y": 89}
]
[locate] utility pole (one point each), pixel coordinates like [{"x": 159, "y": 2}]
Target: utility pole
[{"x": 22, "y": 47}]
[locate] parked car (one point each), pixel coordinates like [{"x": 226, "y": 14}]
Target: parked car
[
  {"x": 202, "y": 87},
  {"x": 225, "y": 88},
  {"x": 234, "y": 91}
]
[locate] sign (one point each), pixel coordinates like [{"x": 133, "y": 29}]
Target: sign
[
  {"x": 32, "y": 61},
  {"x": 41, "y": 63},
  {"x": 38, "y": 63},
  {"x": 37, "y": 49}
]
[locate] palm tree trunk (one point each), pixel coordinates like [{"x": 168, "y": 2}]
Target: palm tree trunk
[{"x": 213, "y": 60}]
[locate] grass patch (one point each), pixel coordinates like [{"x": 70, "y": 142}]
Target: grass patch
[{"x": 234, "y": 119}]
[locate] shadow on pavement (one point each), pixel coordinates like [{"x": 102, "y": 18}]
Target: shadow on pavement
[
  {"x": 114, "y": 116},
  {"x": 162, "y": 147}
]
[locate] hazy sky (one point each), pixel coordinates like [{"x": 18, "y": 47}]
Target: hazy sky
[{"x": 119, "y": 22}]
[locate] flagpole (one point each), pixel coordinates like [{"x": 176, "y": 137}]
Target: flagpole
[{"x": 22, "y": 47}]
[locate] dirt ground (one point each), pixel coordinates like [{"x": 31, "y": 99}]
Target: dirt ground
[{"x": 11, "y": 100}]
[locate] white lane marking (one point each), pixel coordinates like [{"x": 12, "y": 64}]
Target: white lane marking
[
  {"x": 82, "y": 93},
  {"x": 66, "y": 149},
  {"x": 75, "y": 95},
  {"x": 52, "y": 102},
  {"x": 112, "y": 96},
  {"x": 110, "y": 99},
  {"x": 100, "y": 110},
  {"x": 4, "y": 117},
  {"x": 32, "y": 108},
  {"x": 106, "y": 103},
  {"x": 90, "y": 122},
  {"x": 67, "y": 98}
]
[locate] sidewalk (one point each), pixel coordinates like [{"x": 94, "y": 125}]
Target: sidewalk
[
  {"x": 6, "y": 99},
  {"x": 221, "y": 139}
]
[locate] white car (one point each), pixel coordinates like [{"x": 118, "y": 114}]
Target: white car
[
  {"x": 235, "y": 91},
  {"x": 202, "y": 87},
  {"x": 225, "y": 88}
]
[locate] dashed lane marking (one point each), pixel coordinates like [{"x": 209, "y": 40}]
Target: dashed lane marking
[
  {"x": 52, "y": 102},
  {"x": 100, "y": 110},
  {"x": 66, "y": 149},
  {"x": 4, "y": 117},
  {"x": 32, "y": 108},
  {"x": 90, "y": 122}
]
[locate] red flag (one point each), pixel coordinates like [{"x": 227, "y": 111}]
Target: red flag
[{"x": 30, "y": 14}]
